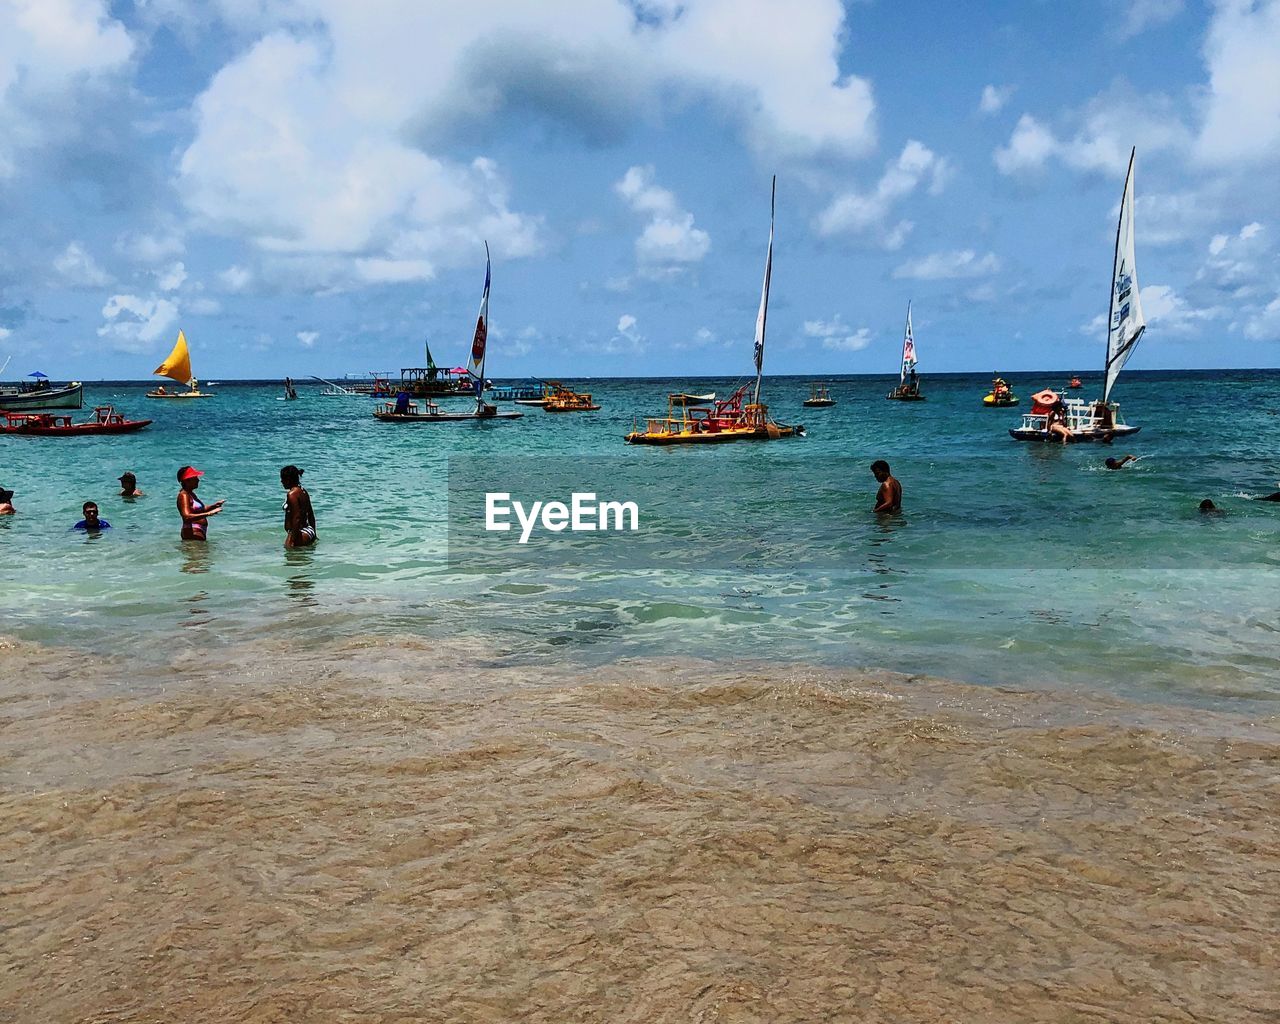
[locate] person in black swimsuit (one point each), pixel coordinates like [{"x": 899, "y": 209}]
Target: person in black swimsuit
[{"x": 299, "y": 517}]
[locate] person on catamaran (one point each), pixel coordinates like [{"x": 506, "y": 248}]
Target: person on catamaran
[
  {"x": 299, "y": 518},
  {"x": 889, "y": 496},
  {"x": 6, "y": 502},
  {"x": 1114, "y": 463},
  {"x": 195, "y": 513},
  {"x": 1056, "y": 422}
]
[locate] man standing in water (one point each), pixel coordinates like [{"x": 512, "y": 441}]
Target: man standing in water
[{"x": 889, "y": 497}]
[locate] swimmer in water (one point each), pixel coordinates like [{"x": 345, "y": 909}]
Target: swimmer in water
[
  {"x": 195, "y": 513},
  {"x": 299, "y": 518},
  {"x": 91, "y": 523},
  {"x": 6, "y": 502},
  {"x": 889, "y": 497},
  {"x": 1114, "y": 463},
  {"x": 1208, "y": 506},
  {"x": 129, "y": 485}
]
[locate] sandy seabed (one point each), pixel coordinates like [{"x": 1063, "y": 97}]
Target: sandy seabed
[{"x": 396, "y": 832}]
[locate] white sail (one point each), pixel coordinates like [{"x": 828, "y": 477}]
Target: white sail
[
  {"x": 1125, "y": 323},
  {"x": 763, "y": 315},
  {"x": 908, "y": 349},
  {"x": 479, "y": 341}
]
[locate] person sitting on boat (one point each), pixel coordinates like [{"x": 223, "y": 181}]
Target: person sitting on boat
[
  {"x": 299, "y": 518},
  {"x": 6, "y": 502},
  {"x": 1056, "y": 422},
  {"x": 1114, "y": 463},
  {"x": 91, "y": 523},
  {"x": 129, "y": 485},
  {"x": 1106, "y": 416},
  {"x": 889, "y": 496},
  {"x": 160, "y": 390}
]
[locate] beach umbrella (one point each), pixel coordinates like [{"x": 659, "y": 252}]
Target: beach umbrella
[
  {"x": 1045, "y": 397},
  {"x": 38, "y": 375}
]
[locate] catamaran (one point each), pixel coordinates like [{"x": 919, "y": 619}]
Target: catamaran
[
  {"x": 1092, "y": 421},
  {"x": 178, "y": 367},
  {"x": 402, "y": 410},
  {"x": 908, "y": 389},
  {"x": 693, "y": 419}
]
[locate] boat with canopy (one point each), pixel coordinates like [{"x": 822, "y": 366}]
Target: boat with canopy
[
  {"x": 39, "y": 393},
  {"x": 403, "y": 410},
  {"x": 908, "y": 389},
  {"x": 1098, "y": 420},
  {"x": 695, "y": 419},
  {"x": 178, "y": 367},
  {"x": 819, "y": 397}
]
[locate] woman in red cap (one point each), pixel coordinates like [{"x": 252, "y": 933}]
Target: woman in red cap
[{"x": 195, "y": 513}]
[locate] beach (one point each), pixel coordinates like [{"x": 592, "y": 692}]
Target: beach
[{"x": 396, "y": 829}]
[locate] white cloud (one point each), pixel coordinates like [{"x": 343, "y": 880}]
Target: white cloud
[
  {"x": 1240, "y": 266},
  {"x": 150, "y": 249},
  {"x": 859, "y": 212},
  {"x": 838, "y": 336},
  {"x": 627, "y": 339},
  {"x": 325, "y": 136},
  {"x": 994, "y": 97},
  {"x": 1242, "y": 108},
  {"x": 939, "y": 266},
  {"x": 669, "y": 242},
  {"x": 1169, "y": 312},
  {"x": 307, "y": 339},
  {"x": 1030, "y": 145},
  {"x": 235, "y": 278},
  {"x": 1140, "y": 15},
  {"x": 203, "y": 306},
  {"x": 133, "y": 323},
  {"x": 79, "y": 269},
  {"x": 1265, "y": 324},
  {"x": 4, "y": 333},
  {"x": 171, "y": 280}
]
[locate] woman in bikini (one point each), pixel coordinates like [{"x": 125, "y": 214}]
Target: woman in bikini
[
  {"x": 195, "y": 513},
  {"x": 299, "y": 519}
]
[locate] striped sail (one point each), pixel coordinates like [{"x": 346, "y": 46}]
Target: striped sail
[
  {"x": 475, "y": 366},
  {"x": 908, "y": 348},
  {"x": 763, "y": 316},
  {"x": 1125, "y": 322}
]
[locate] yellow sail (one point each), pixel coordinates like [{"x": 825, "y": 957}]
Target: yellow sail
[{"x": 178, "y": 365}]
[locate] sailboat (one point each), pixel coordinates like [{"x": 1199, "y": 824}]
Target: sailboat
[
  {"x": 178, "y": 367},
  {"x": 908, "y": 389},
  {"x": 1100, "y": 420},
  {"x": 402, "y": 410},
  {"x": 690, "y": 421}
]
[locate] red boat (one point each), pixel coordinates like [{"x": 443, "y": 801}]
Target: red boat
[{"x": 43, "y": 424}]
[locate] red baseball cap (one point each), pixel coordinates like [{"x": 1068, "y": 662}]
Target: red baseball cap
[{"x": 188, "y": 473}]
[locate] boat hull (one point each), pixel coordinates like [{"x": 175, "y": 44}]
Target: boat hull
[
  {"x": 818, "y": 403},
  {"x": 70, "y": 396},
  {"x": 773, "y": 433},
  {"x": 443, "y": 417},
  {"x": 1077, "y": 437},
  {"x": 905, "y": 398},
  {"x": 188, "y": 394},
  {"x": 78, "y": 429},
  {"x": 999, "y": 403}
]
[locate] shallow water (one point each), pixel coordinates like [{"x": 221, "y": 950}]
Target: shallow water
[{"x": 400, "y": 829}]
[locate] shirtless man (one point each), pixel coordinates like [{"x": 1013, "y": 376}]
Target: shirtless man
[
  {"x": 889, "y": 497},
  {"x": 1114, "y": 463}
]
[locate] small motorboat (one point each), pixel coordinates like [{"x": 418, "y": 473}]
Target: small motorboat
[
  {"x": 1000, "y": 395},
  {"x": 44, "y": 424},
  {"x": 819, "y": 397}
]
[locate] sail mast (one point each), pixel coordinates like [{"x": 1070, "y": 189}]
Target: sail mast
[
  {"x": 1125, "y": 322},
  {"x": 479, "y": 341},
  {"x": 763, "y": 315}
]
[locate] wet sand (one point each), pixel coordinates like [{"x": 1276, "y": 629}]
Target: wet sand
[{"x": 395, "y": 832}]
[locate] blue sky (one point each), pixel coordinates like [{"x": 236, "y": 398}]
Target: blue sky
[{"x": 305, "y": 186}]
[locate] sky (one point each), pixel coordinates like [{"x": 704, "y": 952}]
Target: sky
[{"x": 306, "y": 186}]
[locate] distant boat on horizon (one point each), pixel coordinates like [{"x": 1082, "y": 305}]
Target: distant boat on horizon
[
  {"x": 178, "y": 367},
  {"x": 908, "y": 389}
]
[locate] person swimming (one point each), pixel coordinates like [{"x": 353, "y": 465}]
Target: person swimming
[
  {"x": 299, "y": 518},
  {"x": 1114, "y": 463},
  {"x": 92, "y": 522},
  {"x": 195, "y": 514},
  {"x": 1208, "y": 506},
  {"x": 6, "y": 502},
  {"x": 129, "y": 485}
]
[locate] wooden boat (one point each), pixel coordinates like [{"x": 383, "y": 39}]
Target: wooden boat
[
  {"x": 41, "y": 394},
  {"x": 178, "y": 367},
  {"x": 908, "y": 389},
  {"x": 44, "y": 424},
  {"x": 717, "y": 422},
  {"x": 731, "y": 419},
  {"x": 1100, "y": 420},
  {"x": 1000, "y": 395},
  {"x": 819, "y": 397},
  {"x": 563, "y": 399},
  {"x": 402, "y": 410}
]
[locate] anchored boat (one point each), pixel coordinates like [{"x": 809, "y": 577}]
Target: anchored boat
[
  {"x": 40, "y": 393},
  {"x": 819, "y": 397},
  {"x": 688, "y": 421},
  {"x": 402, "y": 410},
  {"x": 1093, "y": 421},
  {"x": 43, "y": 424},
  {"x": 178, "y": 367},
  {"x": 563, "y": 399},
  {"x": 908, "y": 389}
]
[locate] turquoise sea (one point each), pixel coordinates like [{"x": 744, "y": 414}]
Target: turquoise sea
[{"x": 1011, "y": 564}]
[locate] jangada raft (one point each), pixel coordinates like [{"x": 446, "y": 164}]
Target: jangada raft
[
  {"x": 1094, "y": 421},
  {"x": 402, "y": 410},
  {"x": 689, "y": 421},
  {"x": 43, "y": 424},
  {"x": 908, "y": 389},
  {"x": 178, "y": 367}
]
